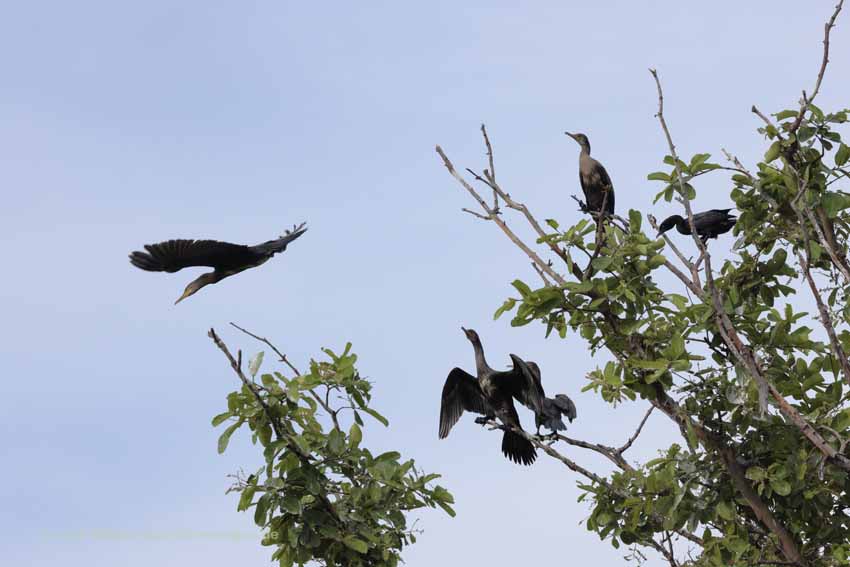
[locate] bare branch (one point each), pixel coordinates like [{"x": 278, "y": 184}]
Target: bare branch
[
  {"x": 806, "y": 101},
  {"x": 476, "y": 215},
  {"x": 544, "y": 266},
  {"x": 632, "y": 439}
]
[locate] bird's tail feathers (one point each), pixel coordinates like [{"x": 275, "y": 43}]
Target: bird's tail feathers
[
  {"x": 518, "y": 449},
  {"x": 555, "y": 424}
]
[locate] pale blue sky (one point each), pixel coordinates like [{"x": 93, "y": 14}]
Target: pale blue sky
[{"x": 127, "y": 123}]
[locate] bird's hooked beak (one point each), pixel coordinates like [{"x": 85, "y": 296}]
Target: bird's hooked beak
[
  {"x": 573, "y": 136},
  {"x": 463, "y": 329}
]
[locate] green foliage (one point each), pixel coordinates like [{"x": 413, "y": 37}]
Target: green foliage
[
  {"x": 322, "y": 497},
  {"x": 667, "y": 344}
]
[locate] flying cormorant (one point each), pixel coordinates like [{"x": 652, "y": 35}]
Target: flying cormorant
[{"x": 227, "y": 259}]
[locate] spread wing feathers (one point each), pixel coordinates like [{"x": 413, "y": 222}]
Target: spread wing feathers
[
  {"x": 524, "y": 384},
  {"x": 461, "y": 392},
  {"x": 279, "y": 245},
  {"x": 174, "y": 255}
]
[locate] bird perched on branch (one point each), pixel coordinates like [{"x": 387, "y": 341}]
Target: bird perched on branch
[
  {"x": 708, "y": 224},
  {"x": 595, "y": 183},
  {"x": 491, "y": 395},
  {"x": 551, "y": 409},
  {"x": 227, "y": 259}
]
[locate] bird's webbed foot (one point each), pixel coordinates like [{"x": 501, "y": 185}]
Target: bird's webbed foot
[{"x": 546, "y": 436}]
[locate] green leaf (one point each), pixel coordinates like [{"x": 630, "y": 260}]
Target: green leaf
[
  {"x": 336, "y": 441},
  {"x": 602, "y": 263},
  {"x": 449, "y": 510},
  {"x": 221, "y": 418},
  {"x": 658, "y": 176},
  {"x": 634, "y": 221},
  {"x": 506, "y": 306},
  {"x": 522, "y": 288},
  {"x": 833, "y": 202},
  {"x": 376, "y": 415},
  {"x": 772, "y": 152},
  {"x": 246, "y": 498},
  {"x": 757, "y": 474},
  {"x": 357, "y": 545},
  {"x": 656, "y": 261},
  {"x": 725, "y": 510},
  {"x": 698, "y": 160},
  {"x": 355, "y": 435},
  {"x": 650, "y": 364},
  {"x": 389, "y": 456},
  {"x": 254, "y": 364},
  {"x": 224, "y": 439},
  {"x": 842, "y": 155},
  {"x": 781, "y": 487},
  {"x": 261, "y": 510}
]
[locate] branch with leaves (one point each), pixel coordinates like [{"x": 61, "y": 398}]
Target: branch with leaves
[
  {"x": 322, "y": 497},
  {"x": 756, "y": 393}
]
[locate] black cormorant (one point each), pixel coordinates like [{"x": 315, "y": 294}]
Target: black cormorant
[
  {"x": 595, "y": 182},
  {"x": 552, "y": 408},
  {"x": 227, "y": 259},
  {"x": 708, "y": 224},
  {"x": 491, "y": 395}
]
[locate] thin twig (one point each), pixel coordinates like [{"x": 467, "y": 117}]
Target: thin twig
[
  {"x": 499, "y": 222},
  {"x": 283, "y": 358},
  {"x": 806, "y": 101},
  {"x": 631, "y": 440}
]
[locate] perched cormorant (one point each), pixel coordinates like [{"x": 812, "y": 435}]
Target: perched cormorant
[
  {"x": 595, "y": 182},
  {"x": 552, "y": 408},
  {"x": 226, "y": 258},
  {"x": 491, "y": 395},
  {"x": 708, "y": 224}
]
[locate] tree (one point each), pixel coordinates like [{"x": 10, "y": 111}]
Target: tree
[
  {"x": 756, "y": 386},
  {"x": 322, "y": 496}
]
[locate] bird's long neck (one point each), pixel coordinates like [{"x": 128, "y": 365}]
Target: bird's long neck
[
  {"x": 585, "y": 149},
  {"x": 683, "y": 226},
  {"x": 480, "y": 362}
]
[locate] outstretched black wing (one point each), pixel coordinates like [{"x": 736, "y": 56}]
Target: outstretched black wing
[
  {"x": 461, "y": 392},
  {"x": 272, "y": 247},
  {"x": 174, "y": 255},
  {"x": 524, "y": 384}
]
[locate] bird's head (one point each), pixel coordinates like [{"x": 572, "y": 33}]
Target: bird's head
[
  {"x": 471, "y": 335},
  {"x": 195, "y": 285},
  {"x": 581, "y": 140},
  {"x": 668, "y": 223}
]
